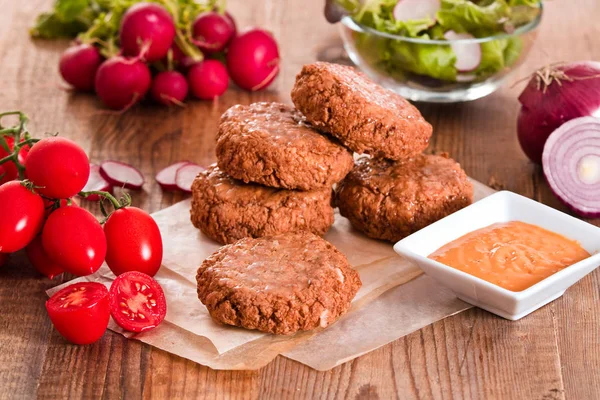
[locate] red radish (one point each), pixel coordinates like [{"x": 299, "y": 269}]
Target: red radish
[
  {"x": 554, "y": 95},
  {"x": 571, "y": 161},
  {"x": 212, "y": 32},
  {"x": 122, "y": 82},
  {"x": 96, "y": 183},
  {"x": 406, "y": 10},
  {"x": 208, "y": 79},
  {"x": 253, "y": 59},
  {"x": 468, "y": 54},
  {"x": 78, "y": 66},
  {"x": 121, "y": 174},
  {"x": 166, "y": 176},
  {"x": 185, "y": 176},
  {"x": 232, "y": 21},
  {"x": 147, "y": 31},
  {"x": 169, "y": 88}
]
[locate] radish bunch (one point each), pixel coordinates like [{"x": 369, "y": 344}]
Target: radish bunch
[{"x": 159, "y": 53}]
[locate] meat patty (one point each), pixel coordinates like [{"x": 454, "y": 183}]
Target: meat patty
[
  {"x": 227, "y": 210},
  {"x": 271, "y": 144},
  {"x": 278, "y": 284},
  {"x": 390, "y": 200},
  {"x": 364, "y": 116}
]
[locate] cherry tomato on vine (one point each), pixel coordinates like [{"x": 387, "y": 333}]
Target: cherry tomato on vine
[
  {"x": 49, "y": 204},
  {"x": 73, "y": 238},
  {"x": 58, "y": 166},
  {"x": 80, "y": 312},
  {"x": 40, "y": 260},
  {"x": 3, "y": 258},
  {"x": 137, "y": 302},
  {"x": 133, "y": 242},
  {"x": 8, "y": 170},
  {"x": 21, "y": 216}
]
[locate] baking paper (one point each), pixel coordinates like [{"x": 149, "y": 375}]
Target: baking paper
[{"x": 394, "y": 301}]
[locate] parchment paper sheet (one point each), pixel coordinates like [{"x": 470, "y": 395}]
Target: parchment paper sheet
[{"x": 393, "y": 302}]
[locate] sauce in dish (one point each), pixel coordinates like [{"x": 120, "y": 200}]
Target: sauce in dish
[{"x": 513, "y": 255}]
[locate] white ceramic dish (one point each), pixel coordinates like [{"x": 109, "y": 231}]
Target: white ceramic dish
[{"x": 502, "y": 207}]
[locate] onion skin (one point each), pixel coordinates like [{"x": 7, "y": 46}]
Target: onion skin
[
  {"x": 563, "y": 151},
  {"x": 545, "y": 107}
]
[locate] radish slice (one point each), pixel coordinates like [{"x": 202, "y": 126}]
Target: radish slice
[
  {"x": 166, "y": 176},
  {"x": 406, "y": 10},
  {"x": 185, "y": 176},
  {"x": 96, "y": 183},
  {"x": 571, "y": 161},
  {"x": 121, "y": 174},
  {"x": 468, "y": 55}
]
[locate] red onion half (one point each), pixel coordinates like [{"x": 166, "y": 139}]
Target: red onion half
[
  {"x": 571, "y": 161},
  {"x": 556, "y": 94}
]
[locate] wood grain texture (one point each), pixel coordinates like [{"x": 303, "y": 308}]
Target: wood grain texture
[{"x": 552, "y": 354}]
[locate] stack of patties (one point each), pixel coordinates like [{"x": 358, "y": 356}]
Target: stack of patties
[
  {"x": 274, "y": 175},
  {"x": 270, "y": 195},
  {"x": 397, "y": 190}
]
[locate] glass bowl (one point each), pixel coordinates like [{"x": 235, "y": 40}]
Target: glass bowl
[{"x": 423, "y": 70}]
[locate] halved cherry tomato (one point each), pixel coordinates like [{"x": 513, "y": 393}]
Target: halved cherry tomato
[
  {"x": 58, "y": 166},
  {"x": 74, "y": 239},
  {"x": 137, "y": 302},
  {"x": 3, "y": 258},
  {"x": 80, "y": 312},
  {"x": 21, "y": 216},
  {"x": 133, "y": 242},
  {"x": 40, "y": 260}
]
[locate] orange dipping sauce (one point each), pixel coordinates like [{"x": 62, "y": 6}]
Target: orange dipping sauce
[{"x": 513, "y": 255}]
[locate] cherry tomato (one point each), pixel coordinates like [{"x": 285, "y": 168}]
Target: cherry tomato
[
  {"x": 49, "y": 204},
  {"x": 133, "y": 242},
  {"x": 8, "y": 170},
  {"x": 40, "y": 260},
  {"x": 21, "y": 216},
  {"x": 137, "y": 302},
  {"x": 74, "y": 239},
  {"x": 80, "y": 312},
  {"x": 3, "y": 258},
  {"x": 58, "y": 166}
]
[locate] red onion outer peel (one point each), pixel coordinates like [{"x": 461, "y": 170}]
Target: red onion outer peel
[
  {"x": 571, "y": 161},
  {"x": 546, "y": 107}
]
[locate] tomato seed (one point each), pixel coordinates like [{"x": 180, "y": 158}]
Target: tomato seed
[
  {"x": 141, "y": 316},
  {"x": 137, "y": 286}
]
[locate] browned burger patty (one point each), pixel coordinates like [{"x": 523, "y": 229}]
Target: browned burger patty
[
  {"x": 364, "y": 116},
  {"x": 271, "y": 144},
  {"x": 227, "y": 210},
  {"x": 277, "y": 284},
  {"x": 390, "y": 200}
]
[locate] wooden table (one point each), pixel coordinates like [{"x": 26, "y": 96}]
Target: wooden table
[{"x": 552, "y": 354}]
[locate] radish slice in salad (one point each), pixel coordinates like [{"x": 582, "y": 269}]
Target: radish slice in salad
[
  {"x": 571, "y": 161},
  {"x": 185, "y": 176},
  {"x": 96, "y": 183},
  {"x": 406, "y": 10},
  {"x": 468, "y": 55},
  {"x": 121, "y": 174},
  {"x": 166, "y": 176}
]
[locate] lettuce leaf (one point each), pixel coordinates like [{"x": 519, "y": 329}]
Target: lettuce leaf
[{"x": 480, "y": 20}]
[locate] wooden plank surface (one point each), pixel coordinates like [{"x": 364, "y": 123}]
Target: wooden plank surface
[{"x": 552, "y": 354}]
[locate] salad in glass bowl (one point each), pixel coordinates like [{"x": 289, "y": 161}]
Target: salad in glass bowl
[{"x": 437, "y": 50}]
